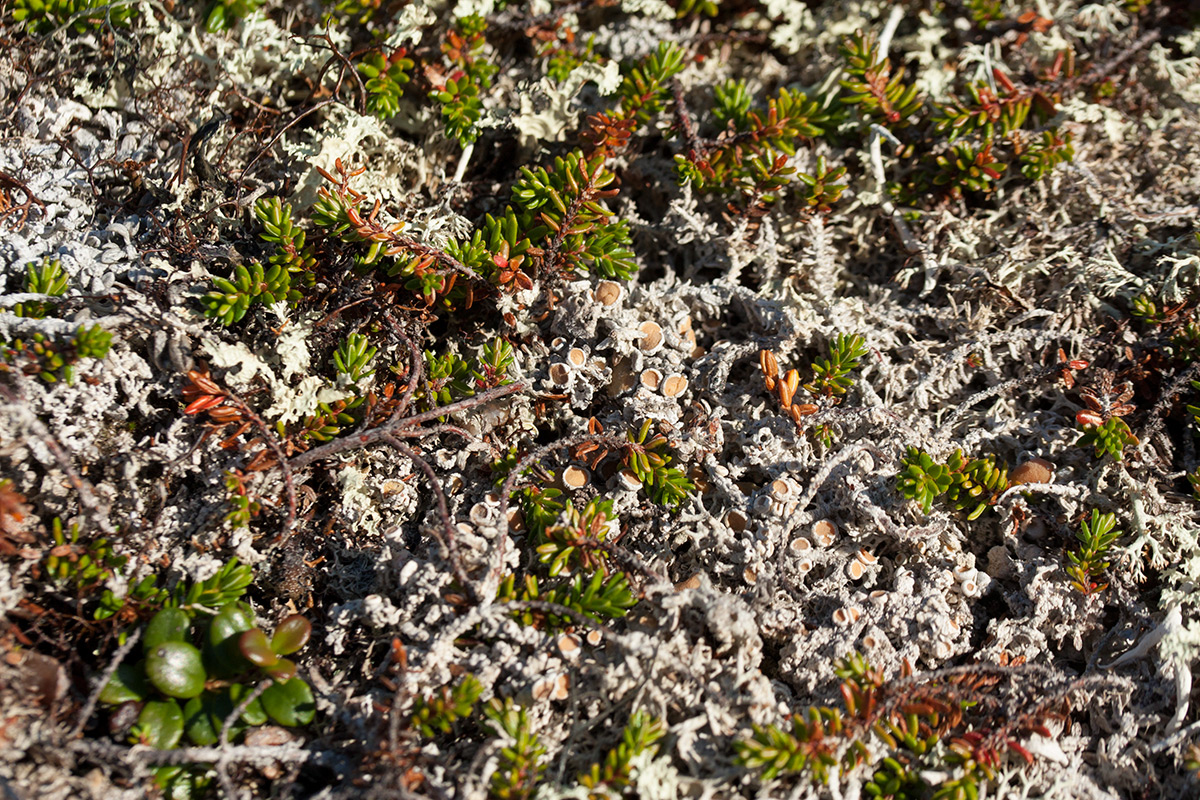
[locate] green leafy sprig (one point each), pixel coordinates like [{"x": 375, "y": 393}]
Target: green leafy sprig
[
  {"x": 438, "y": 712},
  {"x": 224, "y": 587},
  {"x": 386, "y": 78},
  {"x": 462, "y": 105},
  {"x": 1041, "y": 156},
  {"x": 497, "y": 251},
  {"x": 54, "y": 359},
  {"x": 831, "y": 375},
  {"x": 601, "y": 598},
  {"x": 1110, "y": 437},
  {"x": 576, "y": 541},
  {"x": 922, "y": 479},
  {"x": 988, "y": 113},
  {"x": 521, "y": 759},
  {"x": 229, "y": 300},
  {"x": 48, "y": 278},
  {"x": 353, "y": 358},
  {"x": 970, "y": 485},
  {"x": 564, "y": 212},
  {"x": 1088, "y": 562},
  {"x": 43, "y": 16},
  {"x": 292, "y": 253},
  {"x": 564, "y": 55},
  {"x": 879, "y": 94},
  {"x": 758, "y": 139},
  {"x": 646, "y": 456},
  {"x": 808, "y": 746},
  {"x": 969, "y": 168},
  {"x": 820, "y": 190},
  {"x": 242, "y": 507},
  {"x": 84, "y": 565},
  {"x": 975, "y": 484},
  {"x": 646, "y": 86},
  {"x": 615, "y": 774}
]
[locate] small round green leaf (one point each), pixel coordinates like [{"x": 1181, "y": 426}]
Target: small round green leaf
[
  {"x": 230, "y": 621},
  {"x": 179, "y": 783},
  {"x": 223, "y": 632},
  {"x": 198, "y": 723},
  {"x": 291, "y": 635},
  {"x": 290, "y": 703},
  {"x": 176, "y": 670},
  {"x": 160, "y": 725},
  {"x": 205, "y": 715},
  {"x": 254, "y": 714},
  {"x": 127, "y": 684},
  {"x": 168, "y": 625}
]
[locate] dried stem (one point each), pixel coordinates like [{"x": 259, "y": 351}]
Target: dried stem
[
  {"x": 87, "y": 496},
  {"x": 94, "y": 696},
  {"x": 276, "y": 449},
  {"x": 22, "y": 209},
  {"x": 448, "y": 540},
  {"x": 240, "y": 709},
  {"x": 400, "y": 427},
  {"x": 181, "y": 756}
]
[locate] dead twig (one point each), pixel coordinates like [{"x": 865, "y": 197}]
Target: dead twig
[
  {"x": 142, "y": 755},
  {"x": 405, "y": 427},
  {"x": 194, "y": 142},
  {"x": 447, "y": 539},
  {"x": 1102, "y": 71},
  {"x": 8, "y": 204},
  {"x": 94, "y": 697},
  {"x": 87, "y": 496},
  {"x": 269, "y": 439},
  {"x": 221, "y": 767}
]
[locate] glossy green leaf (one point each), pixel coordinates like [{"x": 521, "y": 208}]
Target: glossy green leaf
[
  {"x": 160, "y": 725},
  {"x": 227, "y": 626},
  {"x": 291, "y": 635},
  {"x": 204, "y": 716},
  {"x": 254, "y": 714},
  {"x": 230, "y": 621},
  {"x": 176, "y": 670},
  {"x": 127, "y": 684},
  {"x": 168, "y": 625},
  {"x": 290, "y": 703},
  {"x": 198, "y": 721},
  {"x": 282, "y": 670}
]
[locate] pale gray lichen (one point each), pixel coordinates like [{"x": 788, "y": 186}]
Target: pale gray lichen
[{"x": 1009, "y": 282}]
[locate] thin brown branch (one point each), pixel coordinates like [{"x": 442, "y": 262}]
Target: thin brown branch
[
  {"x": 87, "y": 496},
  {"x": 1102, "y": 71},
  {"x": 448, "y": 540},
  {"x": 241, "y": 180},
  {"x": 377, "y": 435},
  {"x": 94, "y": 696},
  {"x": 272, "y": 443},
  {"x": 416, "y": 369},
  {"x": 8, "y": 204}
]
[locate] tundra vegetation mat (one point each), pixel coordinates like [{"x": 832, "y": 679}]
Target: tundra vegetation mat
[{"x": 701, "y": 398}]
